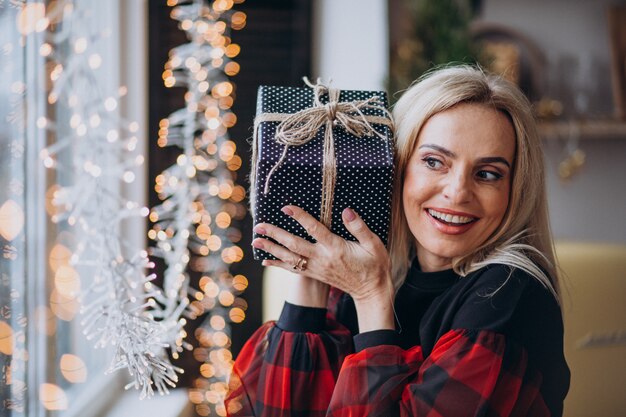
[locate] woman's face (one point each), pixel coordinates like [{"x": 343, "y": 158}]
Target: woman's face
[{"x": 457, "y": 182}]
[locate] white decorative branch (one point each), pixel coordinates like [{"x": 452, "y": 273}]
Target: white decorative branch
[{"x": 94, "y": 149}]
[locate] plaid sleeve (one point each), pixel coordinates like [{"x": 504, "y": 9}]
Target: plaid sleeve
[
  {"x": 289, "y": 367},
  {"x": 468, "y": 373}
]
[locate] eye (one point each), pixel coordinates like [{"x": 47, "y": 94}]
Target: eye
[
  {"x": 432, "y": 163},
  {"x": 489, "y": 175}
]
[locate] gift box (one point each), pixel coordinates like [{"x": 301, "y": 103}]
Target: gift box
[{"x": 345, "y": 161}]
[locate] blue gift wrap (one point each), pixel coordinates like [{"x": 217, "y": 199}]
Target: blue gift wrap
[{"x": 363, "y": 171}]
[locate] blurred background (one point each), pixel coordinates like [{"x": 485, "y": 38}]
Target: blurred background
[{"x": 125, "y": 151}]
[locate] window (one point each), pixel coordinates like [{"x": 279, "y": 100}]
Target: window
[{"x": 47, "y": 363}]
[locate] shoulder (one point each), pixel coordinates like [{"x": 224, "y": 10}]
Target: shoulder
[
  {"x": 502, "y": 276},
  {"x": 498, "y": 296},
  {"x": 504, "y": 282},
  {"x": 498, "y": 285}
]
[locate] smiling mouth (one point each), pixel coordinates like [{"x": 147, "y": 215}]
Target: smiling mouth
[{"x": 451, "y": 219}]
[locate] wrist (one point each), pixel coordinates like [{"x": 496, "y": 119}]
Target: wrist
[
  {"x": 375, "y": 313},
  {"x": 375, "y": 306},
  {"x": 308, "y": 292}
]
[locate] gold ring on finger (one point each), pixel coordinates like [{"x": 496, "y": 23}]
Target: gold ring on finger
[{"x": 300, "y": 264}]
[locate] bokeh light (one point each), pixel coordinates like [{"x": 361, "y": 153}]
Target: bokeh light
[
  {"x": 6, "y": 338},
  {"x": 64, "y": 307},
  {"x": 240, "y": 282},
  {"x": 73, "y": 368},
  {"x": 237, "y": 315},
  {"x": 31, "y": 18},
  {"x": 67, "y": 281},
  {"x": 11, "y": 220},
  {"x": 52, "y": 397},
  {"x": 59, "y": 256}
]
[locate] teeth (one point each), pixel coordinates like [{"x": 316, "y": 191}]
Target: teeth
[{"x": 450, "y": 218}]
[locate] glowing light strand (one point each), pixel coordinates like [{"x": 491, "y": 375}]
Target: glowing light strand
[
  {"x": 193, "y": 225},
  {"x": 93, "y": 150}
]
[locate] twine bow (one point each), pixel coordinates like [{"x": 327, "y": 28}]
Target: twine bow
[{"x": 299, "y": 128}]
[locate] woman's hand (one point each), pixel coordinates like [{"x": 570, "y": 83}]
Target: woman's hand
[{"x": 361, "y": 269}]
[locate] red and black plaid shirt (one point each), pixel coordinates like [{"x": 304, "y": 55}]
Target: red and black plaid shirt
[{"x": 473, "y": 358}]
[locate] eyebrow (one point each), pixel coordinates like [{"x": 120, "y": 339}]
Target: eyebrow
[
  {"x": 495, "y": 159},
  {"x": 450, "y": 154}
]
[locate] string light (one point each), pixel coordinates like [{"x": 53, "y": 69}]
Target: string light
[{"x": 194, "y": 225}]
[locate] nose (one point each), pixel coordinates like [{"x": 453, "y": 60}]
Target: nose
[{"x": 458, "y": 188}]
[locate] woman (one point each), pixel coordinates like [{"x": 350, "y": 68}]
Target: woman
[{"x": 476, "y": 328}]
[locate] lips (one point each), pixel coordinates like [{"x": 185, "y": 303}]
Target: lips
[
  {"x": 451, "y": 222},
  {"x": 453, "y": 219}
]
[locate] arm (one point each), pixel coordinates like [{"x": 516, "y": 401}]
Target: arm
[
  {"x": 503, "y": 357},
  {"x": 290, "y": 365},
  {"x": 308, "y": 292},
  {"x": 469, "y": 373}
]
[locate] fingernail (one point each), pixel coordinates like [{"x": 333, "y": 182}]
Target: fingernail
[
  {"x": 287, "y": 211},
  {"x": 265, "y": 263},
  {"x": 257, "y": 244},
  {"x": 260, "y": 230},
  {"x": 349, "y": 214}
]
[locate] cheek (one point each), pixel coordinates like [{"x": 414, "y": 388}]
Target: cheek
[
  {"x": 417, "y": 189},
  {"x": 498, "y": 204},
  {"x": 412, "y": 191}
]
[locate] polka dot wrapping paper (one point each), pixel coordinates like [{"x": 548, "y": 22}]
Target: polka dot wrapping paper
[{"x": 364, "y": 168}]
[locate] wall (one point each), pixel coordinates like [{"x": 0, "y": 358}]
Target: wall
[
  {"x": 350, "y": 46},
  {"x": 592, "y": 205},
  {"x": 350, "y": 43}
]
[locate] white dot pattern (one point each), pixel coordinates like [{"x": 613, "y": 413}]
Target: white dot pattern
[{"x": 364, "y": 169}]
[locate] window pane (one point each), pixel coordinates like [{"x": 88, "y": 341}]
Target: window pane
[
  {"x": 13, "y": 315},
  {"x": 47, "y": 363}
]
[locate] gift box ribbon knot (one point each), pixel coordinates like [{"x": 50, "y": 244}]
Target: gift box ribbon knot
[{"x": 299, "y": 128}]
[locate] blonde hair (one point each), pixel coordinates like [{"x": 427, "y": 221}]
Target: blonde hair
[{"x": 523, "y": 239}]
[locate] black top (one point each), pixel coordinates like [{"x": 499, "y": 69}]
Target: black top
[
  {"x": 488, "y": 344},
  {"x": 494, "y": 298}
]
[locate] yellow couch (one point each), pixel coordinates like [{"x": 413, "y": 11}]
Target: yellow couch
[{"x": 594, "y": 307}]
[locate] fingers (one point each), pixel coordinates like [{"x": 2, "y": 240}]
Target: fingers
[
  {"x": 280, "y": 252},
  {"x": 309, "y": 290},
  {"x": 280, "y": 264},
  {"x": 293, "y": 243},
  {"x": 358, "y": 228},
  {"x": 312, "y": 226}
]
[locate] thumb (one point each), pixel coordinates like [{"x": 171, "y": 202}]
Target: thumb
[{"x": 357, "y": 227}]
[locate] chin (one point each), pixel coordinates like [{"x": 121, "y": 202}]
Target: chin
[
  {"x": 449, "y": 253},
  {"x": 444, "y": 249}
]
